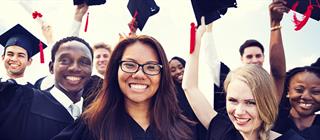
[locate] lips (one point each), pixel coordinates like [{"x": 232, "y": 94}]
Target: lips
[
  {"x": 138, "y": 87},
  {"x": 73, "y": 79},
  {"x": 305, "y": 106},
  {"x": 242, "y": 121}
]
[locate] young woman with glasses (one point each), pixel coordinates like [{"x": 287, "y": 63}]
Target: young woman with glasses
[{"x": 137, "y": 100}]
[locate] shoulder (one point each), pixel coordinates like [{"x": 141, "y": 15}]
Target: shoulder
[{"x": 222, "y": 128}]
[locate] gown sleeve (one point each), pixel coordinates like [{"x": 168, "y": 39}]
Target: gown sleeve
[{"x": 76, "y": 131}]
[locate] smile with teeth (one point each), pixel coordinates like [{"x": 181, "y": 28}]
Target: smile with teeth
[
  {"x": 138, "y": 86},
  {"x": 242, "y": 120},
  {"x": 305, "y": 105},
  {"x": 73, "y": 78}
]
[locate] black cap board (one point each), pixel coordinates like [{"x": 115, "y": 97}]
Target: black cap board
[
  {"x": 144, "y": 9},
  {"x": 302, "y": 6},
  {"x": 89, "y": 2},
  {"x": 19, "y": 36},
  {"x": 211, "y": 9}
]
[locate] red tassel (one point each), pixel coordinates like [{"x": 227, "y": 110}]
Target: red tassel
[
  {"x": 132, "y": 22},
  {"x": 300, "y": 23},
  {"x": 192, "y": 37},
  {"x": 87, "y": 22},
  {"x": 41, "y": 53},
  {"x": 36, "y": 14}
]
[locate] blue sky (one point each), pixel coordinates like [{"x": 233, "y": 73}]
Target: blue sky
[{"x": 170, "y": 26}]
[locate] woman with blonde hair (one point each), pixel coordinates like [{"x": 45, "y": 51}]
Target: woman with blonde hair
[{"x": 251, "y": 102}]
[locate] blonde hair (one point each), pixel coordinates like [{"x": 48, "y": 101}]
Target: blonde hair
[
  {"x": 102, "y": 46},
  {"x": 264, "y": 92}
]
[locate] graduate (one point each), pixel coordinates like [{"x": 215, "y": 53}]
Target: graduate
[
  {"x": 137, "y": 100},
  {"x": 20, "y": 45},
  {"x": 27, "y": 113},
  {"x": 302, "y": 90}
]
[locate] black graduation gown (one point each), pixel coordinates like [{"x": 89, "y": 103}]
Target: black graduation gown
[
  {"x": 285, "y": 123},
  {"x": 199, "y": 130},
  {"x": 30, "y": 114},
  {"x": 80, "y": 131},
  {"x": 221, "y": 128}
]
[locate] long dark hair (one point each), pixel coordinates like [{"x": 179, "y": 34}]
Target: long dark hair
[{"x": 106, "y": 116}]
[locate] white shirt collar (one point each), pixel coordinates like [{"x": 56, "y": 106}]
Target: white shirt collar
[
  {"x": 65, "y": 100},
  {"x": 20, "y": 81}
]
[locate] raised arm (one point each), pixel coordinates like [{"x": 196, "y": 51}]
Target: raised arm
[
  {"x": 197, "y": 100},
  {"x": 277, "y": 56},
  {"x": 80, "y": 11}
]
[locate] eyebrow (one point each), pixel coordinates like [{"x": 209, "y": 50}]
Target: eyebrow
[{"x": 131, "y": 59}]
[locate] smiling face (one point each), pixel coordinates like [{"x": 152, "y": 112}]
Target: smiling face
[
  {"x": 138, "y": 88},
  {"x": 241, "y": 107},
  {"x": 176, "y": 70},
  {"x": 15, "y": 61},
  {"x": 252, "y": 55},
  {"x": 304, "y": 93},
  {"x": 101, "y": 59},
  {"x": 72, "y": 67}
]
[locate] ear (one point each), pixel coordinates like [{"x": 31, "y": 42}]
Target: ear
[
  {"x": 2, "y": 57},
  {"x": 29, "y": 61},
  {"x": 51, "y": 67},
  {"x": 241, "y": 58}
]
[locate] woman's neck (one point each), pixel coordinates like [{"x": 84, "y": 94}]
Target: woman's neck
[
  {"x": 140, "y": 113},
  {"x": 302, "y": 122},
  {"x": 250, "y": 136}
]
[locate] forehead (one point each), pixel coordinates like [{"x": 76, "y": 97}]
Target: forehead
[
  {"x": 140, "y": 52},
  {"x": 306, "y": 78},
  {"x": 101, "y": 51},
  {"x": 252, "y": 50},
  {"x": 74, "y": 48},
  {"x": 175, "y": 62},
  {"x": 239, "y": 89},
  {"x": 16, "y": 49}
]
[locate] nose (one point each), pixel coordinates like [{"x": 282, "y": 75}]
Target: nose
[
  {"x": 240, "y": 110},
  {"x": 75, "y": 67},
  {"x": 139, "y": 73},
  {"x": 306, "y": 95}
]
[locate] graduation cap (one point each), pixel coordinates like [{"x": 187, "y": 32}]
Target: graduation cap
[
  {"x": 211, "y": 9},
  {"x": 141, "y": 10},
  {"x": 302, "y": 7},
  {"x": 89, "y": 2},
  {"x": 21, "y": 37}
]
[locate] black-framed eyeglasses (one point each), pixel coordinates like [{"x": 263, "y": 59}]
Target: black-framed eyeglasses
[{"x": 133, "y": 67}]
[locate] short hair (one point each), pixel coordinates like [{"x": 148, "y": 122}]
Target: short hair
[
  {"x": 263, "y": 91},
  {"x": 102, "y": 46},
  {"x": 181, "y": 60},
  {"x": 57, "y": 45},
  {"x": 294, "y": 71},
  {"x": 250, "y": 43}
]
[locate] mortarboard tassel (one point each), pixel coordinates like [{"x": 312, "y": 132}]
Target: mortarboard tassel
[
  {"x": 36, "y": 15},
  {"x": 41, "y": 53},
  {"x": 87, "y": 22},
  {"x": 132, "y": 24},
  {"x": 192, "y": 37},
  {"x": 299, "y": 24}
]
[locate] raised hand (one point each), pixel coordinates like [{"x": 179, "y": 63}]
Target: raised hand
[
  {"x": 80, "y": 11},
  {"x": 276, "y": 9}
]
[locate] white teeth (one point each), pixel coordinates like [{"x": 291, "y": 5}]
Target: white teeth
[
  {"x": 241, "y": 120},
  {"x": 73, "y": 78},
  {"x": 14, "y": 65},
  {"x": 138, "y": 86},
  {"x": 305, "y": 105}
]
